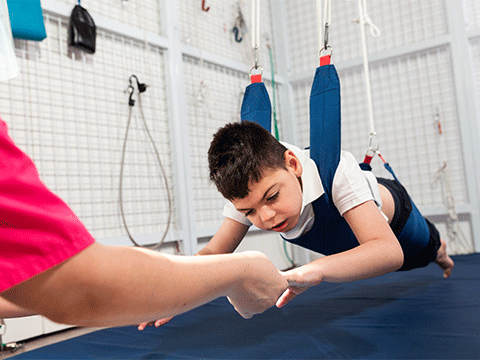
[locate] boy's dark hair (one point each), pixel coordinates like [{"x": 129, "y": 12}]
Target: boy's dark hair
[{"x": 239, "y": 153}]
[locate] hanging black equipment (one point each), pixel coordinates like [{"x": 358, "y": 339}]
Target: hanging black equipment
[{"x": 82, "y": 31}]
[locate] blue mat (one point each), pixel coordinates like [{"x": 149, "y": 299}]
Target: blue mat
[{"x": 403, "y": 315}]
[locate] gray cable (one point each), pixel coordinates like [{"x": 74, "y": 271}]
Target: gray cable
[{"x": 157, "y": 155}]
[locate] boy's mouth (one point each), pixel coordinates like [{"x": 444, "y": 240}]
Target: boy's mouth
[{"x": 280, "y": 226}]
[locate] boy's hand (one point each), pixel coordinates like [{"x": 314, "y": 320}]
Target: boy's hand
[
  {"x": 260, "y": 286},
  {"x": 299, "y": 281},
  {"x": 157, "y": 323}
]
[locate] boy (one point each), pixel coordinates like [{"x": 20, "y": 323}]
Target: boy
[{"x": 274, "y": 185}]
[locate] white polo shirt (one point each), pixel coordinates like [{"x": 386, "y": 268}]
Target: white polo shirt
[{"x": 351, "y": 187}]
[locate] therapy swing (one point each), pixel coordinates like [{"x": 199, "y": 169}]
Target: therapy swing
[{"x": 325, "y": 149}]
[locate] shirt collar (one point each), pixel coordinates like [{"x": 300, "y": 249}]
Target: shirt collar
[{"x": 311, "y": 183}]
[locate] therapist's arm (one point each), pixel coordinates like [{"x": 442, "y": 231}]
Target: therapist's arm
[
  {"x": 10, "y": 310},
  {"x": 115, "y": 286}
]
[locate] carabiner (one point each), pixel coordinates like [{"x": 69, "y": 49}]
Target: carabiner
[
  {"x": 371, "y": 146},
  {"x": 325, "y": 36}
]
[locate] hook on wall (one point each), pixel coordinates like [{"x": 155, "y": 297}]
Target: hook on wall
[
  {"x": 240, "y": 28},
  {"x": 237, "y": 37},
  {"x": 203, "y": 6}
]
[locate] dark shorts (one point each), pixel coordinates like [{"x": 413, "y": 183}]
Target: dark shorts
[{"x": 403, "y": 208}]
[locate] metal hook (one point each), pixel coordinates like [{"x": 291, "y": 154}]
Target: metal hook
[
  {"x": 236, "y": 31},
  {"x": 255, "y": 55},
  {"x": 203, "y": 6},
  {"x": 438, "y": 123},
  {"x": 141, "y": 87},
  {"x": 131, "y": 90}
]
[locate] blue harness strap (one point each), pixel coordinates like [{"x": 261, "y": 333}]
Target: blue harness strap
[
  {"x": 256, "y": 105},
  {"x": 330, "y": 233},
  {"x": 325, "y": 123}
]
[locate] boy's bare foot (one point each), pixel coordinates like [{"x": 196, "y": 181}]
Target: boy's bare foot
[{"x": 443, "y": 260}]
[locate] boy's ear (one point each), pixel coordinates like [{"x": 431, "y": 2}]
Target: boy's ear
[{"x": 292, "y": 163}]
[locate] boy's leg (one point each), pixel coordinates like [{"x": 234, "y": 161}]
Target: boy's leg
[{"x": 435, "y": 249}]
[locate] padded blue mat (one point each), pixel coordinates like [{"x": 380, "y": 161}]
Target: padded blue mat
[{"x": 404, "y": 315}]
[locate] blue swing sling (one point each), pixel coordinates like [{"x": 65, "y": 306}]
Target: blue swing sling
[{"x": 331, "y": 233}]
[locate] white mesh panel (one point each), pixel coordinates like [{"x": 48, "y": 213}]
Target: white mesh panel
[
  {"x": 401, "y": 23},
  {"x": 68, "y": 111},
  {"x": 472, "y": 13},
  {"x": 212, "y": 30}
]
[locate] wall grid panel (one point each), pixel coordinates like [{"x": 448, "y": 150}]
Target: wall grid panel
[
  {"x": 212, "y": 30},
  {"x": 68, "y": 111},
  {"x": 145, "y": 14}
]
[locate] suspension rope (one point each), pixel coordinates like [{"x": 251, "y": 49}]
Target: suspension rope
[
  {"x": 323, "y": 43},
  {"x": 255, "y": 29},
  {"x": 363, "y": 20},
  {"x": 274, "y": 107}
]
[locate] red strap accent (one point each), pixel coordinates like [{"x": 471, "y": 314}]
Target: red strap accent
[
  {"x": 381, "y": 157},
  {"x": 368, "y": 159},
  {"x": 325, "y": 60},
  {"x": 256, "y": 78}
]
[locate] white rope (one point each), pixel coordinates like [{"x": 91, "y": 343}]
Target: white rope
[
  {"x": 319, "y": 22},
  {"x": 327, "y": 16},
  {"x": 325, "y": 23},
  {"x": 255, "y": 29},
  {"x": 442, "y": 176},
  {"x": 363, "y": 20}
]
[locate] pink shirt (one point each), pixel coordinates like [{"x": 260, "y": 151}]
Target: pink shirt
[{"x": 37, "y": 229}]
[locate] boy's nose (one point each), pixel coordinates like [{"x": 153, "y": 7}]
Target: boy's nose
[{"x": 266, "y": 214}]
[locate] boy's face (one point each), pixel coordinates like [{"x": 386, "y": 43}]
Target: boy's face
[{"x": 274, "y": 203}]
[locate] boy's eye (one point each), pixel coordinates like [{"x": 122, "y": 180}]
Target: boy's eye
[
  {"x": 248, "y": 213},
  {"x": 273, "y": 197}
]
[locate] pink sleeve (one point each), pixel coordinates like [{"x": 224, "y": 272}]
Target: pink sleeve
[{"x": 37, "y": 229}]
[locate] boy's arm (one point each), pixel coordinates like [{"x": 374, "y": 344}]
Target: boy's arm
[
  {"x": 379, "y": 252},
  {"x": 226, "y": 239},
  {"x": 114, "y": 286}
]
